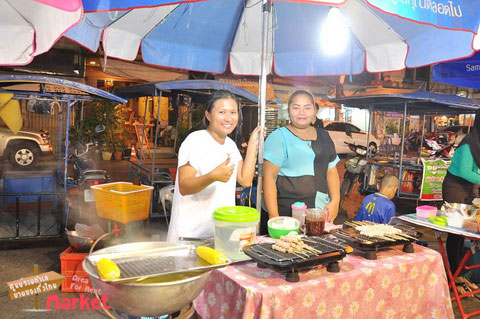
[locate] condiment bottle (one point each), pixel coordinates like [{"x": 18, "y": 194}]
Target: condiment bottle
[{"x": 298, "y": 212}]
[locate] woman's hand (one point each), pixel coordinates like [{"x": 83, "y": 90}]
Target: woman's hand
[
  {"x": 332, "y": 209},
  {"x": 222, "y": 172},
  {"x": 254, "y": 137}
]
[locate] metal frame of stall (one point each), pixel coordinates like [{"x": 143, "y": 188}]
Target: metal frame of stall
[
  {"x": 156, "y": 89},
  {"x": 84, "y": 93},
  {"x": 412, "y": 103}
]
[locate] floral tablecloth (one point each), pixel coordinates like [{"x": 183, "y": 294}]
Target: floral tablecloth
[{"x": 396, "y": 285}]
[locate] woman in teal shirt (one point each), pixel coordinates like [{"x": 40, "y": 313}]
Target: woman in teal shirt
[
  {"x": 457, "y": 187},
  {"x": 300, "y": 163}
]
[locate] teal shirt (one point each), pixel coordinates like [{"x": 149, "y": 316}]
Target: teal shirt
[{"x": 463, "y": 165}]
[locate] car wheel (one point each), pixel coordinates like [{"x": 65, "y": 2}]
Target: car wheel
[
  {"x": 24, "y": 155},
  {"x": 373, "y": 148}
]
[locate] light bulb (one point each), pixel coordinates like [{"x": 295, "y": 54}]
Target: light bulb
[{"x": 334, "y": 33}]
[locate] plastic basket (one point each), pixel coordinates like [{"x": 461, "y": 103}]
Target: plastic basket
[
  {"x": 76, "y": 279},
  {"x": 122, "y": 202}
]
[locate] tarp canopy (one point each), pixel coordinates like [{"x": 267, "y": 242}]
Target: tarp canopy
[
  {"x": 154, "y": 89},
  {"x": 419, "y": 102},
  {"x": 464, "y": 72},
  {"x": 19, "y": 83}
]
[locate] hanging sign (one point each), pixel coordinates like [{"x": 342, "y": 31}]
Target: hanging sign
[
  {"x": 33, "y": 285},
  {"x": 434, "y": 172}
]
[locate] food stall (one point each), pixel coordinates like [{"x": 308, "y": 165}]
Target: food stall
[
  {"x": 361, "y": 289},
  {"x": 30, "y": 193},
  {"x": 158, "y": 169},
  {"x": 408, "y": 167}
]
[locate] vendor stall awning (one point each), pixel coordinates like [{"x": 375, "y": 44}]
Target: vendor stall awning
[
  {"x": 141, "y": 71},
  {"x": 153, "y": 89},
  {"x": 419, "y": 102},
  {"x": 464, "y": 72},
  {"x": 58, "y": 86}
]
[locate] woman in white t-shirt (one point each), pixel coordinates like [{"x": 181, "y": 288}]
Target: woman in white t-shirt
[{"x": 209, "y": 166}]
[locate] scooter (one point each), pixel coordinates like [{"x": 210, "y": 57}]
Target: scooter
[
  {"x": 354, "y": 170},
  {"x": 85, "y": 173},
  {"x": 80, "y": 197}
]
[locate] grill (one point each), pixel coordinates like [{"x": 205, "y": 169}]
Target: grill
[
  {"x": 368, "y": 246},
  {"x": 266, "y": 257},
  {"x": 150, "y": 263}
]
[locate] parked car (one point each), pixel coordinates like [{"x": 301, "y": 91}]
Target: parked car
[
  {"x": 459, "y": 130},
  {"x": 338, "y": 132},
  {"x": 25, "y": 148}
]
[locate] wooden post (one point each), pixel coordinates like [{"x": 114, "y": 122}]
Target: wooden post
[{"x": 35, "y": 272}]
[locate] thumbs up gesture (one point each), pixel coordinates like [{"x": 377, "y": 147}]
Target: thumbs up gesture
[{"x": 223, "y": 171}]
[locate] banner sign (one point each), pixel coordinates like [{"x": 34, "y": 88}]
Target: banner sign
[
  {"x": 449, "y": 14},
  {"x": 393, "y": 115},
  {"x": 434, "y": 172},
  {"x": 33, "y": 285}
]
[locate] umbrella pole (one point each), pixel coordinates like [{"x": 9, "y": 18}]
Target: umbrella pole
[
  {"x": 262, "y": 98},
  {"x": 400, "y": 164}
]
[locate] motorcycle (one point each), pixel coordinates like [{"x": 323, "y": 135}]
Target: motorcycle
[
  {"x": 433, "y": 149},
  {"x": 354, "y": 169},
  {"x": 85, "y": 174}
]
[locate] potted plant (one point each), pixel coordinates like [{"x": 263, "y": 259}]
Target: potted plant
[
  {"x": 107, "y": 152},
  {"x": 119, "y": 148}
]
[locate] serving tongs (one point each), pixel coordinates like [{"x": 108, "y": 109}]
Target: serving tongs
[{"x": 138, "y": 265}]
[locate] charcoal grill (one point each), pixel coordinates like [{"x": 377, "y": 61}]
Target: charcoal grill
[
  {"x": 369, "y": 246},
  {"x": 290, "y": 264}
]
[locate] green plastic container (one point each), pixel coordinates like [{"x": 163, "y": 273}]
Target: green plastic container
[
  {"x": 282, "y": 226},
  {"x": 235, "y": 227}
]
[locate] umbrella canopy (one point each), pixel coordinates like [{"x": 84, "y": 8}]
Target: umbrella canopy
[
  {"x": 307, "y": 39},
  {"x": 31, "y": 27},
  {"x": 464, "y": 73}
]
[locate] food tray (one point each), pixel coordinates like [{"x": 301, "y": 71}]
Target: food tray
[
  {"x": 142, "y": 262},
  {"x": 289, "y": 263}
]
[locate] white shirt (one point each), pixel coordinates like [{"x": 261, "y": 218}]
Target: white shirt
[{"x": 192, "y": 215}]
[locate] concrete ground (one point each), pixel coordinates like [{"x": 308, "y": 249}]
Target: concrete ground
[{"x": 17, "y": 263}]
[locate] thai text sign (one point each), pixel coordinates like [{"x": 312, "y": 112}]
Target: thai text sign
[
  {"x": 434, "y": 172},
  {"x": 31, "y": 286},
  {"x": 449, "y": 14}
]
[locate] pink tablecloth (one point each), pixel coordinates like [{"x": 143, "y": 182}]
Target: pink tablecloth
[{"x": 396, "y": 285}]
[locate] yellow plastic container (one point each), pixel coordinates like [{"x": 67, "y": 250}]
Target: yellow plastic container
[{"x": 122, "y": 202}]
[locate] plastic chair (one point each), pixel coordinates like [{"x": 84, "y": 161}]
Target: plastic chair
[{"x": 166, "y": 193}]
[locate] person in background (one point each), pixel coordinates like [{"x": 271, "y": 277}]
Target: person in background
[
  {"x": 378, "y": 207},
  {"x": 458, "y": 186},
  {"x": 209, "y": 166},
  {"x": 318, "y": 123},
  {"x": 300, "y": 164}
]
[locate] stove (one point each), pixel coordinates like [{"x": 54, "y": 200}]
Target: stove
[
  {"x": 369, "y": 246},
  {"x": 186, "y": 313},
  {"x": 323, "y": 252}
]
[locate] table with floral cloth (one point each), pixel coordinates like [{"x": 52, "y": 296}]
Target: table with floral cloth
[{"x": 396, "y": 285}]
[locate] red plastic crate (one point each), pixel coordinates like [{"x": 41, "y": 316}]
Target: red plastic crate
[{"x": 76, "y": 279}]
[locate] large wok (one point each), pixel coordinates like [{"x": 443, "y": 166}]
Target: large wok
[{"x": 147, "y": 299}]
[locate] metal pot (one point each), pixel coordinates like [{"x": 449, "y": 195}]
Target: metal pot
[
  {"x": 78, "y": 242},
  {"x": 147, "y": 299}
]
